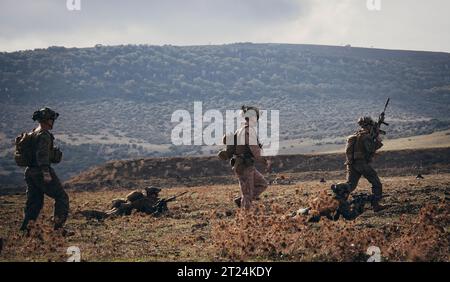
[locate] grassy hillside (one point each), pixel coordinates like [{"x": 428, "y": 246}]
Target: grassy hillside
[
  {"x": 195, "y": 171},
  {"x": 439, "y": 139},
  {"x": 116, "y": 101}
]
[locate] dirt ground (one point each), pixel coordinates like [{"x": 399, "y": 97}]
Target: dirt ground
[{"x": 204, "y": 225}]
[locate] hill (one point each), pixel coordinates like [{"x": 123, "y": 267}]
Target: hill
[
  {"x": 116, "y": 101},
  {"x": 198, "y": 171}
]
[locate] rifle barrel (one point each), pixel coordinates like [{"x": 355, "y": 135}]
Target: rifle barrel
[
  {"x": 387, "y": 103},
  {"x": 173, "y": 197}
]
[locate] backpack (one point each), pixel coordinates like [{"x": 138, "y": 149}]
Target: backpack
[
  {"x": 23, "y": 154},
  {"x": 350, "y": 148},
  {"x": 230, "y": 149}
]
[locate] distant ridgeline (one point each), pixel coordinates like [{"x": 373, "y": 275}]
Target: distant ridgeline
[
  {"x": 194, "y": 171},
  {"x": 160, "y": 73},
  {"x": 119, "y": 93}
]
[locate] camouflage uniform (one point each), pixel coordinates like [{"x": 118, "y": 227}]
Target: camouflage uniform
[
  {"x": 44, "y": 155},
  {"x": 137, "y": 201},
  {"x": 365, "y": 148},
  {"x": 358, "y": 164},
  {"x": 332, "y": 207},
  {"x": 146, "y": 204},
  {"x": 251, "y": 181}
]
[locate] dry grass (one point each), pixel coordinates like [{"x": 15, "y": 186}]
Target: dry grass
[
  {"x": 205, "y": 226},
  {"x": 263, "y": 234}
]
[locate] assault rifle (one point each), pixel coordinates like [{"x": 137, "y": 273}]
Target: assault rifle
[
  {"x": 161, "y": 205},
  {"x": 376, "y": 130}
]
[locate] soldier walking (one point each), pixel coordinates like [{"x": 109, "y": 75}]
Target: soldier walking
[
  {"x": 247, "y": 151},
  {"x": 39, "y": 175}
]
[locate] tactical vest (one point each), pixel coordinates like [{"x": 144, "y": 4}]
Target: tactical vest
[
  {"x": 55, "y": 154},
  {"x": 359, "y": 150},
  {"x": 243, "y": 150},
  {"x": 354, "y": 149},
  {"x": 235, "y": 149}
]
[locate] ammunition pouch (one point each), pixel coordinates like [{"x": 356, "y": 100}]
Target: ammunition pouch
[
  {"x": 56, "y": 155},
  {"x": 242, "y": 162},
  {"x": 232, "y": 162}
]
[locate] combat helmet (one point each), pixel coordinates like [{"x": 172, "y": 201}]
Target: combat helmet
[
  {"x": 365, "y": 121},
  {"x": 341, "y": 190},
  {"x": 45, "y": 114},
  {"x": 152, "y": 191},
  {"x": 249, "y": 111}
]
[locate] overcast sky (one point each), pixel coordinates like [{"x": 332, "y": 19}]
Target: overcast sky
[{"x": 400, "y": 24}]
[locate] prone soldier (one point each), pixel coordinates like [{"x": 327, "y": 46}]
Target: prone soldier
[
  {"x": 148, "y": 203},
  {"x": 136, "y": 200}
]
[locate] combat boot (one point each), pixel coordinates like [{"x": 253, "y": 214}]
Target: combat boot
[
  {"x": 237, "y": 201},
  {"x": 377, "y": 207},
  {"x": 24, "y": 226}
]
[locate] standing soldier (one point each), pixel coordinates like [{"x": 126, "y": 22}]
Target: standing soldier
[
  {"x": 360, "y": 150},
  {"x": 40, "y": 176},
  {"x": 247, "y": 151}
]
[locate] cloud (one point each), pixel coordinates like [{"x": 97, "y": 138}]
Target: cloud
[{"x": 401, "y": 24}]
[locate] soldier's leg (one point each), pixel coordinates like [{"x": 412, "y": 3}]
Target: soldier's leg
[
  {"x": 343, "y": 190},
  {"x": 353, "y": 176},
  {"x": 377, "y": 188},
  {"x": 35, "y": 198},
  {"x": 260, "y": 184},
  {"x": 55, "y": 190},
  {"x": 246, "y": 183}
]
